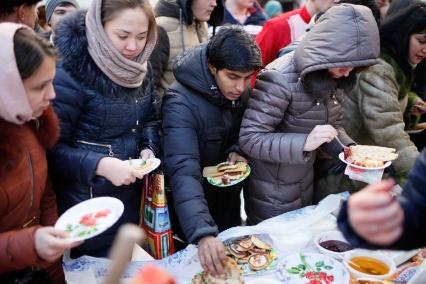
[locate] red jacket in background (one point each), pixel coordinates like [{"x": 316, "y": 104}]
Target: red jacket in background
[
  {"x": 280, "y": 31},
  {"x": 26, "y": 196}
]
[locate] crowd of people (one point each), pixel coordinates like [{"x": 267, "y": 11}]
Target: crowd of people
[{"x": 188, "y": 82}]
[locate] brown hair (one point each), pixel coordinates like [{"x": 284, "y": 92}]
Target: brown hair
[
  {"x": 110, "y": 9},
  {"x": 30, "y": 51}
]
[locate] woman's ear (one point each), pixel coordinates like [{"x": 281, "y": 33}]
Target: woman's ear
[{"x": 20, "y": 13}]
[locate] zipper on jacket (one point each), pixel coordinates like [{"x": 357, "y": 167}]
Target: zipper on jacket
[
  {"x": 31, "y": 171},
  {"x": 91, "y": 192},
  {"x": 110, "y": 153},
  {"x": 233, "y": 104},
  {"x": 326, "y": 112}
]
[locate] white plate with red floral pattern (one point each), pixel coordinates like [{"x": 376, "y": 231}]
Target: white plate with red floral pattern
[
  {"x": 308, "y": 268},
  {"x": 90, "y": 218}
]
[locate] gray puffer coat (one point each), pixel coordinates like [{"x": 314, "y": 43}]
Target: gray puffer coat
[{"x": 281, "y": 113}]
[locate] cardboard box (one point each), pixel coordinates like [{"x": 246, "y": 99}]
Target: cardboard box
[
  {"x": 156, "y": 219},
  {"x": 160, "y": 245}
]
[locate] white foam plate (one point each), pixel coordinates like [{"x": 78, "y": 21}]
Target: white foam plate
[
  {"x": 342, "y": 158},
  {"x": 90, "y": 218},
  {"x": 414, "y": 131}
]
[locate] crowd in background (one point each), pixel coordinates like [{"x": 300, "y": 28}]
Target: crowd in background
[{"x": 196, "y": 83}]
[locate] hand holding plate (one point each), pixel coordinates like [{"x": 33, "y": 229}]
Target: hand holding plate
[{"x": 50, "y": 243}]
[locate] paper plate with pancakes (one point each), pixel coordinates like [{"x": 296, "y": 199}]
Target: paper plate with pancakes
[
  {"x": 253, "y": 253},
  {"x": 224, "y": 174},
  {"x": 367, "y": 157}
]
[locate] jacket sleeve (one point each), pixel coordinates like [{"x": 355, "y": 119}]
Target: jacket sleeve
[
  {"x": 48, "y": 208},
  {"x": 150, "y": 130},
  {"x": 413, "y": 203},
  {"x": 383, "y": 118},
  {"x": 411, "y": 120},
  {"x": 265, "y": 111},
  {"x": 18, "y": 250},
  {"x": 65, "y": 160},
  {"x": 334, "y": 148},
  {"x": 159, "y": 60},
  {"x": 182, "y": 162}
]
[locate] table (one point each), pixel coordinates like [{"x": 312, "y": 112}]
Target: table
[{"x": 184, "y": 264}]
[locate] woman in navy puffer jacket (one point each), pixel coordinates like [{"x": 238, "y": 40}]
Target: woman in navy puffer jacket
[{"x": 105, "y": 105}]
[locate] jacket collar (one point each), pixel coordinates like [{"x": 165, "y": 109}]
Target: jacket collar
[
  {"x": 191, "y": 70},
  {"x": 12, "y": 143}
]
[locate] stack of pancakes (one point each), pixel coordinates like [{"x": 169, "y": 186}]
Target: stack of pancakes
[
  {"x": 233, "y": 275},
  {"x": 252, "y": 251},
  {"x": 369, "y": 156}
]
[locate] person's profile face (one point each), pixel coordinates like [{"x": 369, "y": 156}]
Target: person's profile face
[
  {"x": 39, "y": 87},
  {"x": 339, "y": 72},
  {"x": 203, "y": 9},
  {"x": 59, "y": 13},
  {"x": 417, "y": 48},
  {"x": 231, "y": 83}
]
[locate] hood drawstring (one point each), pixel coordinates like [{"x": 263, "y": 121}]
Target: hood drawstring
[{"x": 182, "y": 41}]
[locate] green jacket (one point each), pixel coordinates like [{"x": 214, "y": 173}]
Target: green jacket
[
  {"x": 374, "y": 112},
  {"x": 404, "y": 91}
]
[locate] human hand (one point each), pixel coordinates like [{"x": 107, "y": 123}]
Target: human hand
[
  {"x": 234, "y": 157},
  {"x": 118, "y": 172},
  {"x": 211, "y": 253},
  {"x": 375, "y": 214},
  {"x": 319, "y": 135},
  {"x": 50, "y": 243},
  {"x": 147, "y": 154},
  {"x": 418, "y": 108}
]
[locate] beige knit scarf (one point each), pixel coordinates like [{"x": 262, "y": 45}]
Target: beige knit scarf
[{"x": 122, "y": 71}]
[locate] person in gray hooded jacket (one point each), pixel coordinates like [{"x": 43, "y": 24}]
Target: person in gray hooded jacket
[{"x": 296, "y": 107}]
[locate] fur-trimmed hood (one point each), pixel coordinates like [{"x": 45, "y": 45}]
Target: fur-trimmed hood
[
  {"x": 72, "y": 48},
  {"x": 13, "y": 144}
]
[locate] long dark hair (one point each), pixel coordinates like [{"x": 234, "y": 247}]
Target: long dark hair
[
  {"x": 30, "y": 51},
  {"x": 396, "y": 31},
  {"x": 7, "y": 7}
]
